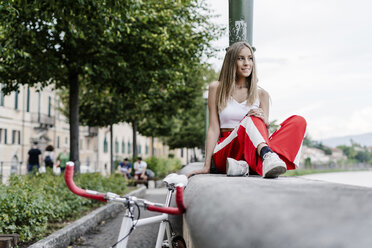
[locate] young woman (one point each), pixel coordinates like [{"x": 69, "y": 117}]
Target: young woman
[{"x": 239, "y": 121}]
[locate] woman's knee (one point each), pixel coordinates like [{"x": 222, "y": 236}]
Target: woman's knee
[{"x": 299, "y": 121}]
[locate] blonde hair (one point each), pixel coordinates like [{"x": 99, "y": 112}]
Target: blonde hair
[{"x": 227, "y": 77}]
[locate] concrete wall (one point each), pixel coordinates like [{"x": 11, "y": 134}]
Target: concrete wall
[{"x": 285, "y": 212}]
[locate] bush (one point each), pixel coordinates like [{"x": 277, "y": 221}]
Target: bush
[
  {"x": 30, "y": 202},
  {"x": 162, "y": 166}
]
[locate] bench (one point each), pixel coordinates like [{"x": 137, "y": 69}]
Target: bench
[{"x": 9, "y": 240}]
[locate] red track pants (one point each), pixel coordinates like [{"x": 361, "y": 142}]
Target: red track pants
[{"x": 242, "y": 142}]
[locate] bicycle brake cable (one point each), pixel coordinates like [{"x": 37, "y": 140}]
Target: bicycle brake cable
[{"x": 133, "y": 225}]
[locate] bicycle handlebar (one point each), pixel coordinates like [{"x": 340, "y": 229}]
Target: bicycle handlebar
[
  {"x": 69, "y": 173},
  {"x": 180, "y": 209}
]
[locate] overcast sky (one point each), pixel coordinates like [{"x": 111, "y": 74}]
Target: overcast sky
[{"x": 314, "y": 57}]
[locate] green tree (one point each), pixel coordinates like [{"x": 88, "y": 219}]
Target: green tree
[
  {"x": 362, "y": 156},
  {"x": 188, "y": 127},
  {"x": 133, "y": 47},
  {"x": 176, "y": 35},
  {"x": 273, "y": 126},
  {"x": 349, "y": 151},
  {"x": 163, "y": 51},
  {"x": 63, "y": 43}
]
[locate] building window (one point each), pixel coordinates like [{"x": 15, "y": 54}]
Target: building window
[
  {"x": 19, "y": 137},
  {"x": 181, "y": 152},
  {"x": 57, "y": 110},
  {"x": 28, "y": 100},
  {"x": 58, "y": 142},
  {"x": 105, "y": 146},
  {"x": 129, "y": 148},
  {"x": 49, "y": 105},
  {"x": 123, "y": 147},
  {"x": 66, "y": 140},
  {"x": 139, "y": 149},
  {"x": 1, "y": 95},
  {"x": 81, "y": 144},
  {"x": 5, "y": 136},
  {"x": 146, "y": 149},
  {"x": 16, "y": 100},
  {"x": 38, "y": 105},
  {"x": 116, "y": 146},
  {"x": 1, "y": 134},
  {"x": 88, "y": 144},
  {"x": 14, "y": 133}
]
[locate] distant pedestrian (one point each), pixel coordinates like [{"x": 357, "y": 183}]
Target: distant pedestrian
[
  {"x": 62, "y": 158},
  {"x": 125, "y": 168},
  {"x": 34, "y": 158},
  {"x": 140, "y": 169},
  {"x": 49, "y": 156}
]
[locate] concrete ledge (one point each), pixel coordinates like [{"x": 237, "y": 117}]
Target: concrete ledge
[
  {"x": 285, "y": 212},
  {"x": 66, "y": 235}
]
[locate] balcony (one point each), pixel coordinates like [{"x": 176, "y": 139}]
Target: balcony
[
  {"x": 92, "y": 131},
  {"x": 43, "y": 119}
]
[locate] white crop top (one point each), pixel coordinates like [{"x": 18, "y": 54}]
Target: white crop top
[{"x": 234, "y": 112}]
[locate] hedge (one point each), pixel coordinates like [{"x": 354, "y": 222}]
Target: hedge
[
  {"x": 163, "y": 166},
  {"x": 29, "y": 203}
]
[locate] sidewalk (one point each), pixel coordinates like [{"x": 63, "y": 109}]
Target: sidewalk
[
  {"x": 106, "y": 234},
  {"x": 63, "y": 237}
]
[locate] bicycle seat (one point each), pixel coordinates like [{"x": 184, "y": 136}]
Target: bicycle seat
[{"x": 175, "y": 179}]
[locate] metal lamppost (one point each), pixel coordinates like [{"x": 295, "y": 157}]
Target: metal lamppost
[{"x": 240, "y": 21}]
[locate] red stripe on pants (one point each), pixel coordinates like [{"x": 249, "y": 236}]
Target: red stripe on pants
[{"x": 286, "y": 142}]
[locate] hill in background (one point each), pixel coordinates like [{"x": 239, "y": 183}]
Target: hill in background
[{"x": 361, "y": 139}]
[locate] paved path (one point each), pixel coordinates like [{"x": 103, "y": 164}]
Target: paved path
[
  {"x": 106, "y": 234},
  {"x": 356, "y": 178}
]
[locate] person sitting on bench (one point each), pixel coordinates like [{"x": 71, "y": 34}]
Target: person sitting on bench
[
  {"x": 125, "y": 168},
  {"x": 140, "y": 169}
]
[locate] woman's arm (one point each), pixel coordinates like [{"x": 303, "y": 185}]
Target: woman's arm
[
  {"x": 213, "y": 130},
  {"x": 263, "y": 110},
  {"x": 265, "y": 105}
]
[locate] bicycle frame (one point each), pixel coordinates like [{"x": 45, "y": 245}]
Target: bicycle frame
[
  {"x": 164, "y": 227},
  {"x": 173, "y": 182}
]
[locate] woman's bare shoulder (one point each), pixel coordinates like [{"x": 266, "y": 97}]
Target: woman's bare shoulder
[
  {"x": 214, "y": 85},
  {"x": 262, "y": 93}
]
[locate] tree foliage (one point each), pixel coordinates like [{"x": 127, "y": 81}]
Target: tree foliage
[
  {"x": 188, "y": 126},
  {"x": 137, "y": 51},
  {"x": 164, "y": 51},
  {"x": 356, "y": 152},
  {"x": 63, "y": 43}
]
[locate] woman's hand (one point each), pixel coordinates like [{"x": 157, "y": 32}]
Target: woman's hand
[
  {"x": 204, "y": 170},
  {"x": 258, "y": 112}
]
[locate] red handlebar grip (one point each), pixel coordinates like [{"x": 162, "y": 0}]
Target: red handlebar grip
[
  {"x": 69, "y": 173},
  {"x": 170, "y": 210},
  {"x": 179, "y": 199}
]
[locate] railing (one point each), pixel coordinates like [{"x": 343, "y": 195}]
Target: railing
[
  {"x": 92, "y": 131},
  {"x": 43, "y": 119}
]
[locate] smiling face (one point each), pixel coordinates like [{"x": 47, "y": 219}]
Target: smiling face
[{"x": 244, "y": 63}]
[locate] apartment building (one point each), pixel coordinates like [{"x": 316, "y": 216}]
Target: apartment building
[{"x": 31, "y": 115}]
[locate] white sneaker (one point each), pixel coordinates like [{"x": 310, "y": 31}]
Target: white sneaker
[
  {"x": 236, "y": 168},
  {"x": 272, "y": 165}
]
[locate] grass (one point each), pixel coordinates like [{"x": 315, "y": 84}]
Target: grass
[{"x": 302, "y": 172}]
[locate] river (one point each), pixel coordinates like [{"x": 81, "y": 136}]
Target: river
[{"x": 356, "y": 178}]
